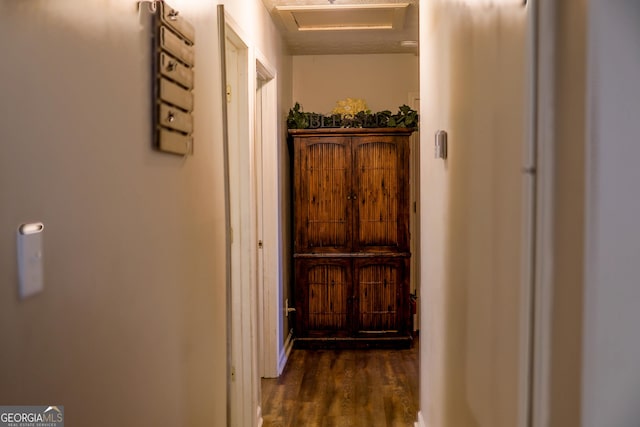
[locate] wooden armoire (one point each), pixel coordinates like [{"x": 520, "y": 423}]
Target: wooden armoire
[{"x": 351, "y": 237}]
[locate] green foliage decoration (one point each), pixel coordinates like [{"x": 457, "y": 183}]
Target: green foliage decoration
[
  {"x": 406, "y": 117},
  {"x": 297, "y": 119}
]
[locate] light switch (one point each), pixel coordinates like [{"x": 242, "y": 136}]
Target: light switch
[{"x": 30, "y": 262}]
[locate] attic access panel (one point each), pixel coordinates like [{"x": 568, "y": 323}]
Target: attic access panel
[{"x": 386, "y": 16}]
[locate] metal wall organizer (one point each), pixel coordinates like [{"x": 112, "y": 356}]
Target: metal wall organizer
[{"x": 173, "y": 59}]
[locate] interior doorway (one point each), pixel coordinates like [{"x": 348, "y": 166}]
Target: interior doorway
[
  {"x": 269, "y": 220},
  {"x": 244, "y": 386},
  {"x": 254, "y": 222}
]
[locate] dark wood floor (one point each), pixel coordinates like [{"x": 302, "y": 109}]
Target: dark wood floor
[{"x": 324, "y": 388}]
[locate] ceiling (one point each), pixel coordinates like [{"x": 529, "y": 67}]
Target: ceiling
[{"x": 321, "y": 27}]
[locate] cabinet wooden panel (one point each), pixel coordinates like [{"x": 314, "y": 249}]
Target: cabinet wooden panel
[
  {"x": 351, "y": 234},
  {"x": 380, "y": 304},
  {"x": 352, "y": 296},
  {"x": 325, "y": 300},
  {"x": 381, "y": 194},
  {"x": 322, "y": 196}
]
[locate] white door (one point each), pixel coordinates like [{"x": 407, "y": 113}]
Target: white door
[
  {"x": 269, "y": 306},
  {"x": 267, "y": 149},
  {"x": 245, "y": 386}
]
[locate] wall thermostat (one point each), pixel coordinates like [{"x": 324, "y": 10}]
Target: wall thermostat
[{"x": 441, "y": 144}]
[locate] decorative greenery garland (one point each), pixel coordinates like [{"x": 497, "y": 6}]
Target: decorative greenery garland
[{"x": 344, "y": 116}]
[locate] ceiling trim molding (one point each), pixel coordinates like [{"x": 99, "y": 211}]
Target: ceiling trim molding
[{"x": 349, "y": 17}]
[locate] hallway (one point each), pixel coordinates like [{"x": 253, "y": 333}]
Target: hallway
[
  {"x": 344, "y": 388},
  {"x": 530, "y": 259}
]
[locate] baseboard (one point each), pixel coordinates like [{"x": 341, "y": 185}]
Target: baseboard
[
  {"x": 420, "y": 422},
  {"x": 259, "y": 420},
  {"x": 393, "y": 342},
  {"x": 286, "y": 351}
]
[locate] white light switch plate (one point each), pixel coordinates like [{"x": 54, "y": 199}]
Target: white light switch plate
[{"x": 30, "y": 262}]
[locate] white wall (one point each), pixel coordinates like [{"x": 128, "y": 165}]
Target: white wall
[
  {"x": 131, "y": 324},
  {"x": 473, "y": 81},
  {"x": 611, "y": 379},
  {"x": 384, "y": 81}
]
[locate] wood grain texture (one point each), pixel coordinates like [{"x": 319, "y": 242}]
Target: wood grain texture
[
  {"x": 358, "y": 388},
  {"x": 378, "y": 190},
  {"x": 328, "y": 298},
  {"x": 351, "y": 202}
]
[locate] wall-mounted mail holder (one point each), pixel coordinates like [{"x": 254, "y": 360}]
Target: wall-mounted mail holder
[{"x": 173, "y": 59}]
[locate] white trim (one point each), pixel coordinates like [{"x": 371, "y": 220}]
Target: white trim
[
  {"x": 270, "y": 303},
  {"x": 264, "y": 70},
  {"x": 544, "y": 267},
  {"x": 414, "y": 224},
  {"x": 241, "y": 253},
  {"x": 386, "y": 16},
  {"x": 529, "y": 188},
  {"x": 245, "y": 386},
  {"x": 420, "y": 422},
  {"x": 263, "y": 337},
  {"x": 285, "y": 352},
  {"x": 538, "y": 254},
  {"x": 222, "y": 42},
  {"x": 259, "y": 419}
]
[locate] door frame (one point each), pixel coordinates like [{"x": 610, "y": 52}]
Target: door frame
[
  {"x": 414, "y": 215},
  {"x": 543, "y": 33},
  {"x": 268, "y": 203},
  {"x": 243, "y": 389}
]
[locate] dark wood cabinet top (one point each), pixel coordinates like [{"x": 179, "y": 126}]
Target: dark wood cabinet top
[{"x": 350, "y": 131}]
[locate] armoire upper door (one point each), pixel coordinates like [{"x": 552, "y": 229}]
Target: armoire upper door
[
  {"x": 381, "y": 193},
  {"x": 323, "y": 196}
]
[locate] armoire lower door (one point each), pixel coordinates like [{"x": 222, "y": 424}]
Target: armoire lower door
[
  {"x": 381, "y": 296},
  {"x": 324, "y": 302}
]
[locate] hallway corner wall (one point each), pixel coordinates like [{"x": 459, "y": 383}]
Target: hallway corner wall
[
  {"x": 611, "y": 339},
  {"x": 473, "y": 85}
]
